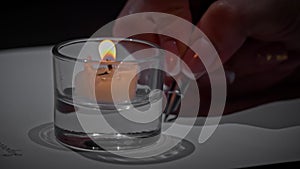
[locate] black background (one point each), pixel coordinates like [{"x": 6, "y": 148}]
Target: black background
[
  {"x": 34, "y": 23},
  {"x": 28, "y": 23}
]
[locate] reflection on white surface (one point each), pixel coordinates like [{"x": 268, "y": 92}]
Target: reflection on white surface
[{"x": 44, "y": 135}]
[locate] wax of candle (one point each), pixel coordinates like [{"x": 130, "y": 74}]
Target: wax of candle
[{"x": 91, "y": 83}]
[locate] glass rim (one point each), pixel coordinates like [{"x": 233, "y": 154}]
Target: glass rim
[{"x": 57, "y": 54}]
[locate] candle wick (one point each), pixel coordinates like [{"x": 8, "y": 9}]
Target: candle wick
[
  {"x": 104, "y": 73},
  {"x": 109, "y": 67}
]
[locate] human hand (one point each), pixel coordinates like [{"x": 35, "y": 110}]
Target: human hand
[{"x": 258, "y": 42}]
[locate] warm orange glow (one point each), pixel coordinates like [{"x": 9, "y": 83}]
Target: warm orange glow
[{"x": 107, "y": 50}]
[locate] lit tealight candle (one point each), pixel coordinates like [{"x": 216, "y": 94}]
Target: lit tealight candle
[{"x": 92, "y": 82}]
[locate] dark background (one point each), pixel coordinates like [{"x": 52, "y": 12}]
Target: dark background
[
  {"x": 34, "y": 23},
  {"x": 28, "y": 23}
]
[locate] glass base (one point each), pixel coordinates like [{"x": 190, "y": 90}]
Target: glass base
[{"x": 105, "y": 142}]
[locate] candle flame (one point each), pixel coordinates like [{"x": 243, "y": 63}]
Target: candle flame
[{"x": 107, "y": 50}]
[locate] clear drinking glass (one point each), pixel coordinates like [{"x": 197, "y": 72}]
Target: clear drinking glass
[{"x": 94, "y": 111}]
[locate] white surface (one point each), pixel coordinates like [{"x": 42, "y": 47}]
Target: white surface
[{"x": 262, "y": 135}]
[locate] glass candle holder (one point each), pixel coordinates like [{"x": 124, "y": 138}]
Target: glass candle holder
[{"x": 108, "y": 93}]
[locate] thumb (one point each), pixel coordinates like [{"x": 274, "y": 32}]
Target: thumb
[{"x": 222, "y": 25}]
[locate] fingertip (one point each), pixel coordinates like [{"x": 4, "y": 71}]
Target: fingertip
[{"x": 193, "y": 66}]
